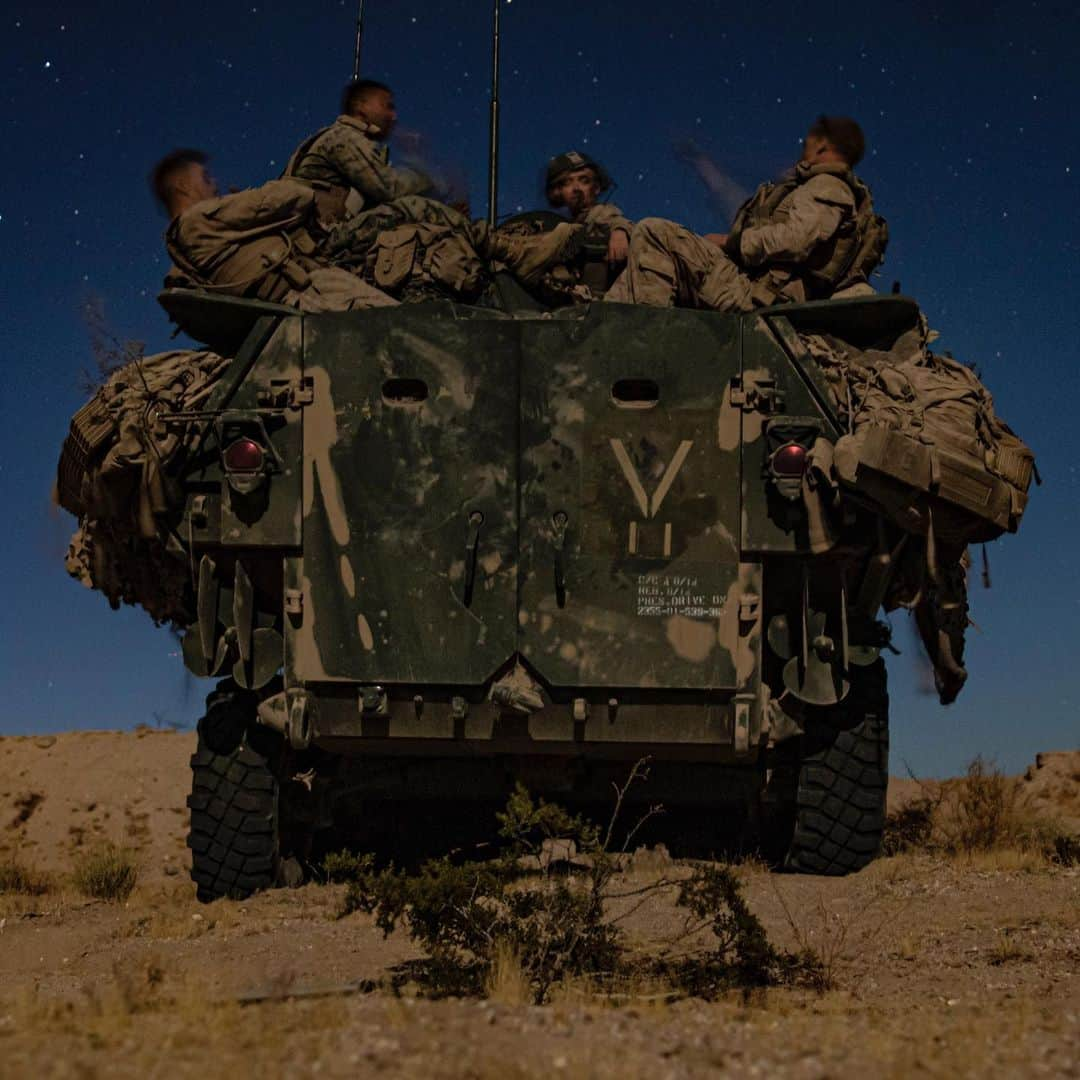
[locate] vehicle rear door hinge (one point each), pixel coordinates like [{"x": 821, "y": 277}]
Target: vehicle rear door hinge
[{"x": 756, "y": 393}]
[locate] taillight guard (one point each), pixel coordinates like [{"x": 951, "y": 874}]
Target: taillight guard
[{"x": 248, "y": 456}]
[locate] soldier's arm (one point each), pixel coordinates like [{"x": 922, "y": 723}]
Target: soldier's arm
[
  {"x": 815, "y": 211},
  {"x": 366, "y": 169},
  {"x": 610, "y": 217},
  {"x": 282, "y": 202}
]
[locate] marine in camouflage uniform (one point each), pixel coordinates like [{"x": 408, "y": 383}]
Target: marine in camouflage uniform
[
  {"x": 263, "y": 243},
  {"x": 348, "y": 162},
  {"x": 575, "y": 182},
  {"x": 812, "y": 235},
  {"x": 382, "y": 227}
]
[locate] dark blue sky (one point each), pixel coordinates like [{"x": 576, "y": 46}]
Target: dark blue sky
[{"x": 970, "y": 111}]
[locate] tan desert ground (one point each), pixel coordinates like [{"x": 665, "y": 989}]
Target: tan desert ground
[{"x": 937, "y": 963}]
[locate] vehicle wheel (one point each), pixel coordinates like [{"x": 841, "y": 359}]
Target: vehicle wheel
[
  {"x": 839, "y": 804},
  {"x": 234, "y": 837}
]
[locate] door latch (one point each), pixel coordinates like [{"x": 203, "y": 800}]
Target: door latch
[{"x": 756, "y": 394}]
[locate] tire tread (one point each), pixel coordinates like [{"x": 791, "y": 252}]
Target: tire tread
[
  {"x": 234, "y": 823},
  {"x": 840, "y": 796}
]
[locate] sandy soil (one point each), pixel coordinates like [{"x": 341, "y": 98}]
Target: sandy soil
[{"x": 941, "y": 967}]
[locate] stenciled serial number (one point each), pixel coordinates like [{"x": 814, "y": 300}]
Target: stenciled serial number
[{"x": 664, "y": 595}]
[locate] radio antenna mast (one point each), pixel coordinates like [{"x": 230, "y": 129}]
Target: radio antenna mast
[
  {"x": 359, "y": 38},
  {"x": 493, "y": 138}
]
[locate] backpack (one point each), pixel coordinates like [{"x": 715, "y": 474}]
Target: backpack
[{"x": 925, "y": 442}]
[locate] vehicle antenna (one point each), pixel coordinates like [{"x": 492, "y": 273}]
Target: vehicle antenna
[
  {"x": 359, "y": 38},
  {"x": 493, "y": 140}
]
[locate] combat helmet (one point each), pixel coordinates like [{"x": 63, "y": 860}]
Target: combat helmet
[{"x": 568, "y": 162}]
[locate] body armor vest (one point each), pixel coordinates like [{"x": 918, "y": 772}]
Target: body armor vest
[
  {"x": 330, "y": 198},
  {"x": 854, "y": 251}
]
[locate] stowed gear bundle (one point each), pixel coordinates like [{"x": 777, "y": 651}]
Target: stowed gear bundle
[
  {"x": 922, "y": 423},
  {"x": 925, "y": 447},
  {"x": 116, "y": 476}
]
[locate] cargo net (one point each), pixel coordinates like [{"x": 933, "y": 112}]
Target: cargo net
[
  {"x": 114, "y": 476},
  {"x": 923, "y": 440}
]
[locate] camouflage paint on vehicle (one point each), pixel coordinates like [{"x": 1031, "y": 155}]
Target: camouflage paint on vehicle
[
  {"x": 630, "y": 501},
  {"x": 531, "y": 530},
  {"x": 410, "y": 504}
]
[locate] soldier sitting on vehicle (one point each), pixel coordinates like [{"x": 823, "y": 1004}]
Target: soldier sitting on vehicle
[
  {"x": 389, "y": 224},
  {"x": 575, "y": 181},
  {"x": 348, "y": 162},
  {"x": 268, "y": 243},
  {"x": 812, "y": 235},
  {"x": 263, "y": 242}
]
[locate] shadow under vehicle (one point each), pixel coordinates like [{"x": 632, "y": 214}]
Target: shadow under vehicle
[{"x": 436, "y": 549}]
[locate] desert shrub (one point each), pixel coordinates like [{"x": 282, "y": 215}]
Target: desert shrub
[
  {"x": 741, "y": 954},
  {"x": 465, "y": 915},
  {"x": 107, "y": 872},
  {"x": 344, "y": 866},
  {"x": 24, "y": 880},
  {"x": 982, "y": 812},
  {"x": 911, "y": 828},
  {"x": 538, "y": 914}
]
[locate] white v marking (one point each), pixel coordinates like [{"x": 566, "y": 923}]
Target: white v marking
[{"x": 650, "y": 507}]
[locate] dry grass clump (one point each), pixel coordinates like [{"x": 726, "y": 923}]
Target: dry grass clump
[
  {"x": 107, "y": 872},
  {"x": 120, "y": 1011},
  {"x": 985, "y": 812},
  {"x": 16, "y": 878},
  {"x": 507, "y": 981},
  {"x": 177, "y": 917},
  {"x": 982, "y": 817}
]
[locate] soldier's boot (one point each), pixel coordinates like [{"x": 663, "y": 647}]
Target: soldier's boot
[{"x": 527, "y": 257}]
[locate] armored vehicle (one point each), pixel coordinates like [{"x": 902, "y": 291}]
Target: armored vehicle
[{"x": 435, "y": 549}]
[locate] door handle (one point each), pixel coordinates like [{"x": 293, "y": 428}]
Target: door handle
[
  {"x": 472, "y": 543},
  {"x": 559, "y": 522}
]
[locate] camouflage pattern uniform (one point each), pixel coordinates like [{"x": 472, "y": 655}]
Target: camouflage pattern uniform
[
  {"x": 670, "y": 266},
  {"x": 761, "y": 263},
  {"x": 346, "y": 157},
  {"x": 582, "y": 273},
  {"x": 264, "y": 243},
  {"x": 606, "y": 217},
  {"x": 415, "y": 245}
]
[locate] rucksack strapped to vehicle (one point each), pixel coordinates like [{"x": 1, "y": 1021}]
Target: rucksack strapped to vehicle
[{"x": 924, "y": 442}]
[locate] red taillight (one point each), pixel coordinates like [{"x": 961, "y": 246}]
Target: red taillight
[
  {"x": 789, "y": 460},
  {"x": 244, "y": 455}
]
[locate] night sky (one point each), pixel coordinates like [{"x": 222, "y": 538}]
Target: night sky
[{"x": 970, "y": 112}]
